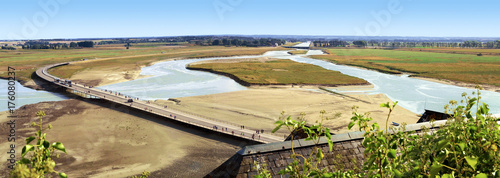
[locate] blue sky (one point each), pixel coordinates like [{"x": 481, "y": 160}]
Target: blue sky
[{"x": 28, "y": 19}]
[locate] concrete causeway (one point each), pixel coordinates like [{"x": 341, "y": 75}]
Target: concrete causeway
[{"x": 222, "y": 127}]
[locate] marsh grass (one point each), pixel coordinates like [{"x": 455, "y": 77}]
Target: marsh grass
[{"x": 280, "y": 72}]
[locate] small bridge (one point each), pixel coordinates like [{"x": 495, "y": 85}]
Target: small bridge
[{"x": 222, "y": 127}]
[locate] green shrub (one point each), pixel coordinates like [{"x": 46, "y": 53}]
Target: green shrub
[
  {"x": 465, "y": 146},
  {"x": 38, "y": 163}
]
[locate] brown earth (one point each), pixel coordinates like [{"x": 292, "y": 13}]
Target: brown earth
[{"x": 105, "y": 140}]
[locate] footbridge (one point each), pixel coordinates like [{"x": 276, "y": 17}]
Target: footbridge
[{"x": 216, "y": 126}]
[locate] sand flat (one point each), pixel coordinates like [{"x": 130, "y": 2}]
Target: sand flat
[{"x": 260, "y": 107}]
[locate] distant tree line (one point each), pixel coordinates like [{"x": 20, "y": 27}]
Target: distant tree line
[
  {"x": 239, "y": 42},
  {"x": 47, "y": 45},
  {"x": 332, "y": 43},
  {"x": 389, "y": 44}
]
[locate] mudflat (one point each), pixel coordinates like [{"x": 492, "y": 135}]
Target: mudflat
[{"x": 106, "y": 140}]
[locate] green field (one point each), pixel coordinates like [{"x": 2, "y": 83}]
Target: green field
[
  {"x": 279, "y": 72},
  {"x": 468, "y": 68},
  {"x": 27, "y": 61}
]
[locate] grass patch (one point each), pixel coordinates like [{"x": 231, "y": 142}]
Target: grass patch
[
  {"x": 468, "y": 68},
  {"x": 279, "y": 72},
  {"x": 297, "y": 52}
]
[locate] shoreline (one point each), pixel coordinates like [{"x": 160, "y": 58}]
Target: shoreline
[{"x": 459, "y": 84}]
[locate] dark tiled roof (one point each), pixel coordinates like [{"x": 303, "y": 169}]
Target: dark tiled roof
[{"x": 347, "y": 153}]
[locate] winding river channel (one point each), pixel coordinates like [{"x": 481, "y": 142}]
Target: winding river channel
[{"x": 171, "y": 79}]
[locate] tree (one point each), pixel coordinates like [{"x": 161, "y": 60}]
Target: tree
[
  {"x": 226, "y": 42},
  {"x": 216, "y": 42},
  {"x": 86, "y": 44},
  {"x": 360, "y": 43},
  {"x": 73, "y": 45}
]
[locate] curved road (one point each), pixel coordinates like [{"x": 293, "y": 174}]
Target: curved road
[{"x": 224, "y": 128}]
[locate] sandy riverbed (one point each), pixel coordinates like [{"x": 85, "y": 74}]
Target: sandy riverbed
[
  {"x": 260, "y": 107},
  {"x": 104, "y": 140}
]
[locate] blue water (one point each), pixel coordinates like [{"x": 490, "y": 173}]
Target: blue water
[{"x": 25, "y": 96}]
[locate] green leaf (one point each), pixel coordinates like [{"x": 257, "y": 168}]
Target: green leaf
[
  {"x": 385, "y": 105},
  {"x": 328, "y": 135},
  {"x": 471, "y": 161},
  {"x": 350, "y": 125},
  {"x": 441, "y": 144},
  {"x": 59, "y": 146},
  {"x": 435, "y": 168},
  {"x": 26, "y": 149},
  {"x": 392, "y": 153},
  {"x": 63, "y": 175},
  {"x": 277, "y": 128},
  {"x": 25, "y": 161},
  {"x": 46, "y": 144},
  {"x": 29, "y": 139},
  {"x": 482, "y": 175},
  {"x": 381, "y": 139},
  {"x": 396, "y": 173},
  {"x": 330, "y": 144},
  {"x": 446, "y": 176},
  {"x": 319, "y": 155},
  {"x": 461, "y": 145}
]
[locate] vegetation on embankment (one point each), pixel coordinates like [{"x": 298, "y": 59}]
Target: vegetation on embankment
[
  {"x": 278, "y": 72},
  {"x": 297, "y": 52},
  {"x": 27, "y": 61},
  {"x": 467, "y": 68}
]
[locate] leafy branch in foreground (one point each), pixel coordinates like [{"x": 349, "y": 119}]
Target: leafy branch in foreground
[
  {"x": 466, "y": 146},
  {"x": 39, "y": 162},
  {"x": 305, "y": 165}
]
